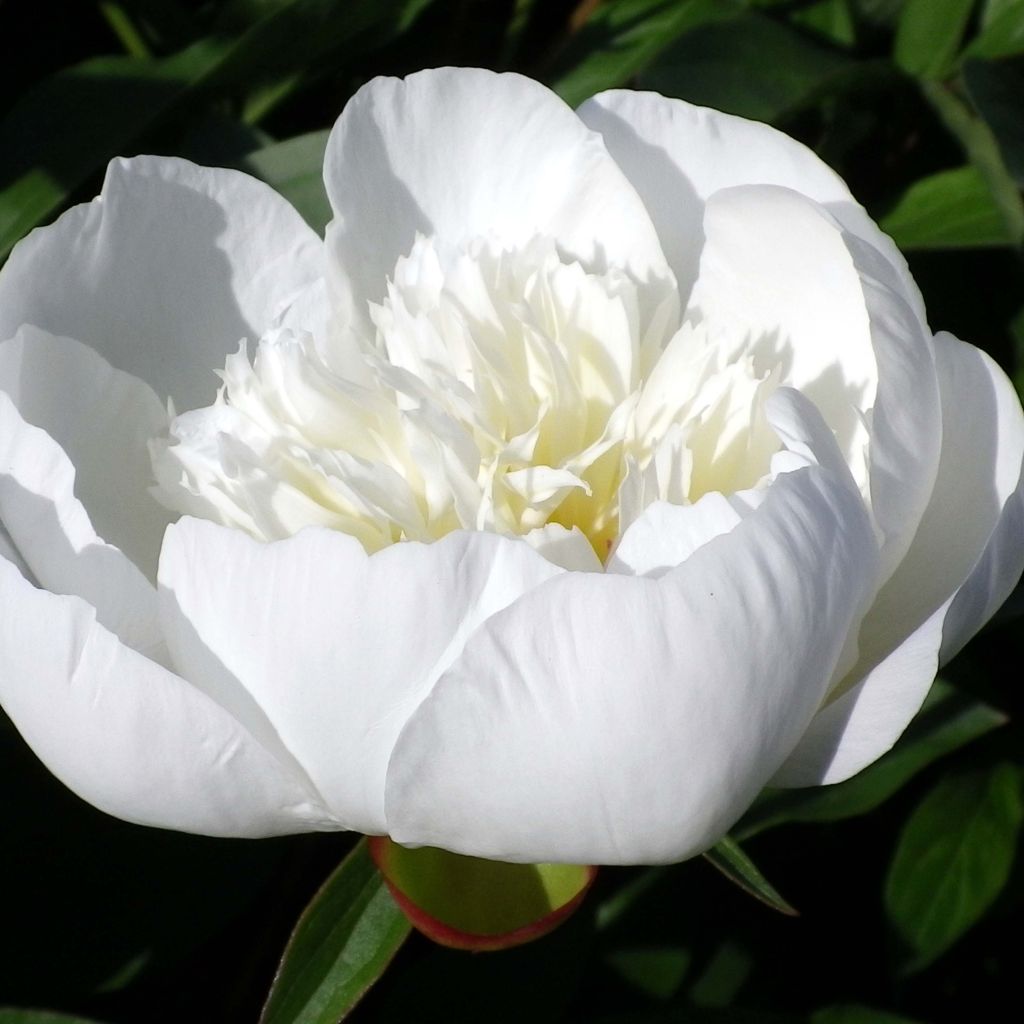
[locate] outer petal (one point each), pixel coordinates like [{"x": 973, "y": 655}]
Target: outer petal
[
  {"x": 103, "y": 420},
  {"x": 979, "y": 494},
  {"x": 964, "y": 561},
  {"x": 331, "y": 648},
  {"x": 131, "y": 737},
  {"x": 779, "y": 275},
  {"x": 612, "y": 719},
  {"x": 862, "y": 723},
  {"x": 677, "y": 155},
  {"x": 464, "y": 153},
  {"x": 52, "y": 536},
  {"x": 164, "y": 272}
]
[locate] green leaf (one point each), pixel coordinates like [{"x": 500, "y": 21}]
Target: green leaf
[
  {"x": 71, "y": 124},
  {"x": 928, "y": 35},
  {"x": 992, "y": 9},
  {"x": 996, "y": 89},
  {"x": 619, "y": 39},
  {"x": 830, "y": 18},
  {"x": 341, "y": 945},
  {"x": 947, "y": 721},
  {"x": 950, "y": 210},
  {"x": 655, "y": 971},
  {"x": 751, "y": 66},
  {"x": 1002, "y": 36},
  {"x": 954, "y": 856},
  {"x": 729, "y": 858},
  {"x": 299, "y": 40},
  {"x": 857, "y": 1015},
  {"x": 979, "y": 143},
  {"x": 295, "y": 168},
  {"x": 723, "y": 977},
  {"x": 66, "y": 128},
  {"x": 15, "y": 1016}
]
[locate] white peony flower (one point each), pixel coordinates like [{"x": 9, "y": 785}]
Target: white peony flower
[{"x": 596, "y": 471}]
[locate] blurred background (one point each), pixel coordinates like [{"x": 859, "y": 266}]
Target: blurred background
[{"x": 906, "y": 878}]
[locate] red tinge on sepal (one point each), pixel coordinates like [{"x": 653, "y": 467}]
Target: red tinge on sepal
[{"x": 474, "y": 904}]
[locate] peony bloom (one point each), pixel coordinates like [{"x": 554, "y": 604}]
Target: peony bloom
[{"x": 595, "y": 471}]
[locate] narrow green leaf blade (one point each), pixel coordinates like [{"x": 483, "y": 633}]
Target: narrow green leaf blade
[
  {"x": 953, "y": 858},
  {"x": 928, "y": 35},
  {"x": 948, "y": 721},
  {"x": 950, "y": 210},
  {"x": 342, "y": 943},
  {"x": 729, "y": 858}
]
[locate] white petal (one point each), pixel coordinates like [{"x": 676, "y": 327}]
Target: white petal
[
  {"x": 52, "y": 534},
  {"x": 781, "y": 277},
  {"x": 906, "y": 420},
  {"x": 978, "y": 501},
  {"x": 862, "y": 723},
  {"x": 131, "y": 737},
  {"x": 465, "y": 153},
  {"x": 804, "y": 434},
  {"x": 677, "y": 155},
  {"x": 103, "y": 419},
  {"x": 963, "y": 563},
  {"x": 665, "y": 535},
  {"x": 568, "y": 548},
  {"x": 164, "y": 272},
  {"x": 961, "y": 545},
  {"x": 327, "y": 646},
  {"x": 614, "y": 719},
  {"x": 777, "y": 279},
  {"x": 9, "y": 551}
]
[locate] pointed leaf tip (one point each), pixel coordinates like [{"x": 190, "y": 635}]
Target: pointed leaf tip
[{"x": 729, "y": 858}]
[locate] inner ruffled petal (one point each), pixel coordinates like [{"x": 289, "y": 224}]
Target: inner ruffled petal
[{"x": 506, "y": 389}]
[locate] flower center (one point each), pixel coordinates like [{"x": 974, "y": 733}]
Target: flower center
[{"x": 510, "y": 391}]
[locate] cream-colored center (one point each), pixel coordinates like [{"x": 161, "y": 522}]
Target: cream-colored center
[{"x": 508, "y": 391}]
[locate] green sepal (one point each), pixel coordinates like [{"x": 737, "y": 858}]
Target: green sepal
[{"x": 470, "y": 903}]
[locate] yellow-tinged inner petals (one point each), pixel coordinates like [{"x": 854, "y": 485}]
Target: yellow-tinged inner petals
[{"x": 505, "y": 390}]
